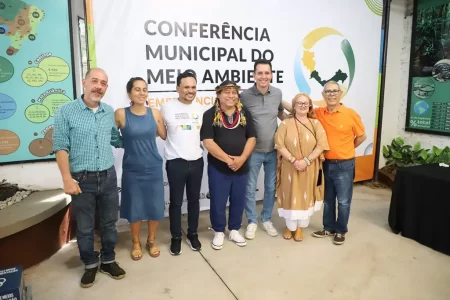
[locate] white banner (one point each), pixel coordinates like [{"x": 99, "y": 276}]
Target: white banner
[{"x": 308, "y": 42}]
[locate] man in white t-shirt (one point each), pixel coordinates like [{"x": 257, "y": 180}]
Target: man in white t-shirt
[{"x": 184, "y": 159}]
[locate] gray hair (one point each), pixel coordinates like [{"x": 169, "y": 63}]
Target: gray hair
[{"x": 331, "y": 82}]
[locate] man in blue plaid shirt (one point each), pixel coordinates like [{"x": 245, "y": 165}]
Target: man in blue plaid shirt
[{"x": 83, "y": 134}]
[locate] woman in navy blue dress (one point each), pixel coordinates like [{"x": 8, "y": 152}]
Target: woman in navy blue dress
[{"x": 142, "y": 177}]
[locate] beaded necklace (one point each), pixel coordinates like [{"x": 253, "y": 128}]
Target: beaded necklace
[{"x": 219, "y": 117}]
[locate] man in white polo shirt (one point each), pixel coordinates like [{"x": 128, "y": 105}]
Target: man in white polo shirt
[{"x": 184, "y": 159}]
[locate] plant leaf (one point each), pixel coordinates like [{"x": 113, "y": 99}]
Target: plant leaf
[
  {"x": 436, "y": 151},
  {"x": 385, "y": 152},
  {"x": 424, "y": 155},
  {"x": 395, "y": 145},
  {"x": 396, "y": 154},
  {"x": 417, "y": 147},
  {"x": 400, "y": 141}
]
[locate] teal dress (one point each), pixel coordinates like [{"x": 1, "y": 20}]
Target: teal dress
[{"x": 142, "y": 170}]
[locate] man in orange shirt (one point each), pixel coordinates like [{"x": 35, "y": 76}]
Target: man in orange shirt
[{"x": 345, "y": 132}]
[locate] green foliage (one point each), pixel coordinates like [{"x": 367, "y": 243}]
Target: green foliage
[
  {"x": 399, "y": 154},
  {"x": 432, "y": 27}
]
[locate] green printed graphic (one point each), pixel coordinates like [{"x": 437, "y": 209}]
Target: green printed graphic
[
  {"x": 429, "y": 99},
  {"x": 376, "y": 6},
  {"x": 6, "y": 70},
  {"x": 37, "y": 113},
  {"x": 430, "y": 107},
  {"x": 56, "y": 68},
  {"x": 34, "y": 77},
  {"x": 22, "y": 21},
  {"x": 424, "y": 88},
  {"x": 10, "y": 9},
  {"x": 53, "y": 101},
  {"x": 378, "y": 100},
  {"x": 350, "y": 56},
  {"x": 91, "y": 41}
]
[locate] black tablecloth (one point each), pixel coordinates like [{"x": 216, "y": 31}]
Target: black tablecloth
[{"x": 420, "y": 205}]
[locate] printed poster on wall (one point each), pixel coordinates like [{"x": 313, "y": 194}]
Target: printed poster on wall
[
  {"x": 35, "y": 76},
  {"x": 429, "y": 98},
  {"x": 307, "y": 45}
]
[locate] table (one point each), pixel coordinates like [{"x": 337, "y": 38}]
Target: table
[{"x": 420, "y": 205}]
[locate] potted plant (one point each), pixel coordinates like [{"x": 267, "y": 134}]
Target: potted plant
[{"x": 398, "y": 155}]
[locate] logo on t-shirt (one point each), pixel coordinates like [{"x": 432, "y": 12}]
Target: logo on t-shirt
[
  {"x": 195, "y": 117},
  {"x": 184, "y": 127}
]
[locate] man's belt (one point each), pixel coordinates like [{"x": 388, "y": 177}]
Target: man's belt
[
  {"x": 336, "y": 161},
  {"x": 96, "y": 173}
]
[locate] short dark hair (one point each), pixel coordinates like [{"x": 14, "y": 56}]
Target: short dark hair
[
  {"x": 262, "y": 62},
  {"x": 186, "y": 74},
  {"x": 130, "y": 83}
]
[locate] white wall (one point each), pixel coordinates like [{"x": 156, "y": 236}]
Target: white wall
[
  {"x": 45, "y": 175},
  {"x": 36, "y": 176},
  {"x": 396, "y": 87}
]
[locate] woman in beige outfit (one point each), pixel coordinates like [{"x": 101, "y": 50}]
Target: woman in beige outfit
[{"x": 300, "y": 141}]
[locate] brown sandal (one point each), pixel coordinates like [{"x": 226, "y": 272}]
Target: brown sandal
[
  {"x": 136, "y": 254},
  {"x": 153, "y": 250},
  {"x": 287, "y": 235},
  {"x": 298, "y": 236}
]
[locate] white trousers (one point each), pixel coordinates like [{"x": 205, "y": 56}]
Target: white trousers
[{"x": 292, "y": 225}]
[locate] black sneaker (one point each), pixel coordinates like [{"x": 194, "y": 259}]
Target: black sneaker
[
  {"x": 113, "y": 270},
  {"x": 192, "y": 240},
  {"x": 339, "y": 238},
  {"x": 89, "y": 277},
  {"x": 322, "y": 233},
  {"x": 175, "y": 246}
]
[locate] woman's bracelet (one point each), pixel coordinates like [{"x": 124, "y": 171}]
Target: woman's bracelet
[{"x": 308, "y": 162}]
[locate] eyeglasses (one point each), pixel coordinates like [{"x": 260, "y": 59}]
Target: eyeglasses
[
  {"x": 302, "y": 104},
  {"x": 328, "y": 92}
]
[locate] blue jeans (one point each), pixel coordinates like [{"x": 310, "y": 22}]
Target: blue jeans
[
  {"x": 256, "y": 160},
  {"x": 339, "y": 178},
  {"x": 99, "y": 190},
  {"x": 222, "y": 186}
]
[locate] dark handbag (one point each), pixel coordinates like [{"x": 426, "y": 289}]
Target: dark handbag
[{"x": 320, "y": 177}]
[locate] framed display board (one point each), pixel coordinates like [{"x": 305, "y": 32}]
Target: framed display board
[
  {"x": 36, "y": 75},
  {"x": 428, "y": 107}
]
